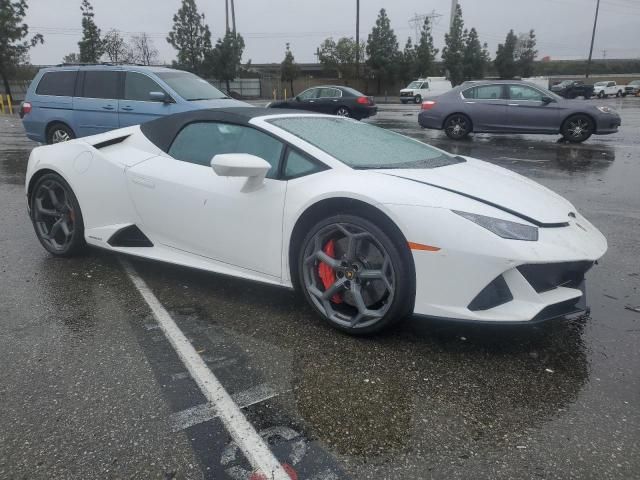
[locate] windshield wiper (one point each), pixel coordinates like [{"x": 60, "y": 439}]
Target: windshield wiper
[{"x": 208, "y": 98}]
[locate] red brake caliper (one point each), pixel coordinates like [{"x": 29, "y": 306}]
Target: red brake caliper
[{"x": 326, "y": 273}]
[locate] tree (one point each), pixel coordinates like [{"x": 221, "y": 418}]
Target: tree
[
  {"x": 224, "y": 60},
  {"x": 425, "y": 52},
  {"x": 72, "y": 57},
  {"x": 453, "y": 51},
  {"x": 115, "y": 47},
  {"x": 289, "y": 70},
  {"x": 14, "y": 45},
  {"x": 526, "y": 53},
  {"x": 143, "y": 50},
  {"x": 190, "y": 36},
  {"x": 91, "y": 48},
  {"x": 475, "y": 56},
  {"x": 505, "y": 61},
  {"x": 339, "y": 56},
  {"x": 382, "y": 49},
  {"x": 407, "y": 62}
]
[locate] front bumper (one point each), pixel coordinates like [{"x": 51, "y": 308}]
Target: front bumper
[{"x": 607, "y": 124}]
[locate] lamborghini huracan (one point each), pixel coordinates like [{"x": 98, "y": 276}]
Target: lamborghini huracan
[{"x": 371, "y": 226}]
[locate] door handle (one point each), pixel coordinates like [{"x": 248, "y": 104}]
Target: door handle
[
  {"x": 145, "y": 182},
  {"x": 108, "y": 107},
  {"x": 513, "y": 104},
  {"x": 127, "y": 109}
]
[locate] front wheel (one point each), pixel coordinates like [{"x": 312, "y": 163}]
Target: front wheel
[
  {"x": 354, "y": 275},
  {"x": 457, "y": 126},
  {"x": 577, "y": 128},
  {"x": 601, "y": 95},
  {"x": 417, "y": 99}
]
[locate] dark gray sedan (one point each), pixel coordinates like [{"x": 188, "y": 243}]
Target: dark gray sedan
[{"x": 515, "y": 107}]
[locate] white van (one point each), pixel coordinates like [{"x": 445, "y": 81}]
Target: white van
[{"x": 423, "y": 87}]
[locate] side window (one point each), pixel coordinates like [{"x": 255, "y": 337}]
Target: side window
[
  {"x": 298, "y": 165},
  {"x": 60, "y": 84},
  {"x": 138, "y": 86},
  {"x": 486, "y": 92},
  {"x": 329, "y": 93},
  {"x": 308, "y": 94},
  {"x": 522, "y": 92},
  {"x": 199, "y": 142},
  {"x": 425, "y": 85},
  {"x": 100, "y": 84}
]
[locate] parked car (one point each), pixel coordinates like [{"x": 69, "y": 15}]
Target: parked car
[
  {"x": 573, "y": 89},
  {"x": 332, "y": 100},
  {"x": 604, "y": 89},
  {"x": 423, "y": 87},
  {"x": 369, "y": 225},
  {"x": 515, "y": 107},
  {"x": 67, "y": 102},
  {"x": 632, "y": 88}
]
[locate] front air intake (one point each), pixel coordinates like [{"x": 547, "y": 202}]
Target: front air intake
[{"x": 494, "y": 294}]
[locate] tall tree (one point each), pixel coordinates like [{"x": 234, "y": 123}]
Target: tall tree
[
  {"x": 143, "y": 50},
  {"x": 407, "y": 62},
  {"x": 72, "y": 57},
  {"x": 425, "y": 51},
  {"x": 453, "y": 51},
  {"x": 382, "y": 49},
  {"x": 115, "y": 47},
  {"x": 91, "y": 47},
  {"x": 505, "y": 61},
  {"x": 14, "y": 44},
  {"x": 190, "y": 36},
  {"x": 339, "y": 56},
  {"x": 289, "y": 69},
  {"x": 527, "y": 53},
  {"x": 224, "y": 60},
  {"x": 475, "y": 57}
]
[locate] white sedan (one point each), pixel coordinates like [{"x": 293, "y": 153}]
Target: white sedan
[{"x": 370, "y": 225}]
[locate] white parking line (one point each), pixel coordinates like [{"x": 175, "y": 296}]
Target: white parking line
[{"x": 241, "y": 431}]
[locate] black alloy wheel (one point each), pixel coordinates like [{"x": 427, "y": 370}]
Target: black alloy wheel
[
  {"x": 354, "y": 275},
  {"x": 457, "y": 126},
  {"x": 577, "y": 128},
  {"x": 56, "y": 216},
  {"x": 343, "y": 112}
]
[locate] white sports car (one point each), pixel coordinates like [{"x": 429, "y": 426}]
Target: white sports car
[{"x": 371, "y": 225}]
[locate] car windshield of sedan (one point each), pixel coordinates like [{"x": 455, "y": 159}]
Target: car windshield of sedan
[
  {"x": 191, "y": 87},
  {"x": 363, "y": 146}
]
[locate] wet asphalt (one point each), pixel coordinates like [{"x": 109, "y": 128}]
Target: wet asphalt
[{"x": 89, "y": 387}]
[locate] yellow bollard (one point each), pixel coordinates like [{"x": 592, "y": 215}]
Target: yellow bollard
[
  {"x": 285, "y": 94},
  {"x": 1, "y": 104},
  {"x": 9, "y": 104}
]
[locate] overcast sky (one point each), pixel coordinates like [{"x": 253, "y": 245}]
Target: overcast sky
[{"x": 563, "y": 27}]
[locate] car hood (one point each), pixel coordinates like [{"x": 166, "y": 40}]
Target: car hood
[
  {"x": 219, "y": 103},
  {"x": 408, "y": 90},
  {"x": 494, "y": 186}
]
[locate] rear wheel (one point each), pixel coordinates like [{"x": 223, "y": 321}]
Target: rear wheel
[
  {"x": 577, "y": 128},
  {"x": 457, "y": 126},
  {"x": 343, "y": 112},
  {"x": 354, "y": 275},
  {"x": 56, "y": 216},
  {"x": 58, "y": 133}
]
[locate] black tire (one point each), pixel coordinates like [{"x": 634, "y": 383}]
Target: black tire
[
  {"x": 59, "y": 132},
  {"x": 601, "y": 95},
  {"x": 61, "y": 209},
  {"x": 577, "y": 128},
  {"x": 463, "y": 123},
  {"x": 343, "y": 111},
  {"x": 417, "y": 99},
  {"x": 618, "y": 93},
  {"x": 624, "y": 94},
  {"x": 392, "y": 297}
]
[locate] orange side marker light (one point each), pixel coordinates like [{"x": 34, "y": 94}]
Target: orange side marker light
[{"x": 420, "y": 246}]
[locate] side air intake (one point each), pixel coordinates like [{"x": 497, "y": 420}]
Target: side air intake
[{"x": 130, "y": 236}]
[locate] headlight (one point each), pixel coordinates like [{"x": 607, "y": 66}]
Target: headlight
[
  {"x": 605, "y": 109},
  {"x": 502, "y": 228}
]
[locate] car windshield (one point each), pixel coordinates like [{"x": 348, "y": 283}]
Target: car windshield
[
  {"x": 415, "y": 84},
  {"x": 600, "y": 84},
  {"x": 191, "y": 87},
  {"x": 363, "y": 146},
  {"x": 635, "y": 82}
]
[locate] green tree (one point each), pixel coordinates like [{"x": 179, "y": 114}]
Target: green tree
[
  {"x": 115, "y": 47},
  {"x": 505, "y": 60},
  {"x": 407, "y": 62},
  {"x": 289, "y": 69},
  {"x": 425, "y": 52},
  {"x": 91, "y": 47},
  {"x": 224, "y": 60},
  {"x": 527, "y": 54},
  {"x": 382, "y": 49},
  {"x": 475, "y": 56},
  {"x": 72, "y": 58},
  {"x": 190, "y": 36},
  {"x": 339, "y": 56},
  {"x": 453, "y": 51},
  {"x": 14, "y": 45}
]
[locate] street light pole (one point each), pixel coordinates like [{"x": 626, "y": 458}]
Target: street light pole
[
  {"x": 454, "y": 7},
  {"x": 357, "y": 38},
  {"x": 593, "y": 36}
]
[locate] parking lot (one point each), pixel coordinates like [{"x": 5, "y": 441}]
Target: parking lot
[{"x": 91, "y": 388}]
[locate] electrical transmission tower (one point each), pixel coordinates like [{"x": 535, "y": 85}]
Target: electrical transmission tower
[{"x": 417, "y": 20}]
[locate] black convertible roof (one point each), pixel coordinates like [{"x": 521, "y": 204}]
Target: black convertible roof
[{"x": 163, "y": 130}]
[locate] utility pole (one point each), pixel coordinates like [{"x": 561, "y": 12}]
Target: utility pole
[
  {"x": 357, "y": 38},
  {"x": 454, "y": 7},
  {"x": 226, "y": 14},
  {"x": 593, "y": 36},
  {"x": 233, "y": 16}
]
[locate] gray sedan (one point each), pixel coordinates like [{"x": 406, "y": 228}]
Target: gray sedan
[{"x": 515, "y": 107}]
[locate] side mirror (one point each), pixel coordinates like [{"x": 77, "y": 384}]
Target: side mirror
[
  {"x": 241, "y": 165},
  {"x": 159, "y": 97},
  {"x": 547, "y": 100}
]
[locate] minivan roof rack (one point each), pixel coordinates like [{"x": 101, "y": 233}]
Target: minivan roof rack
[{"x": 107, "y": 64}]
